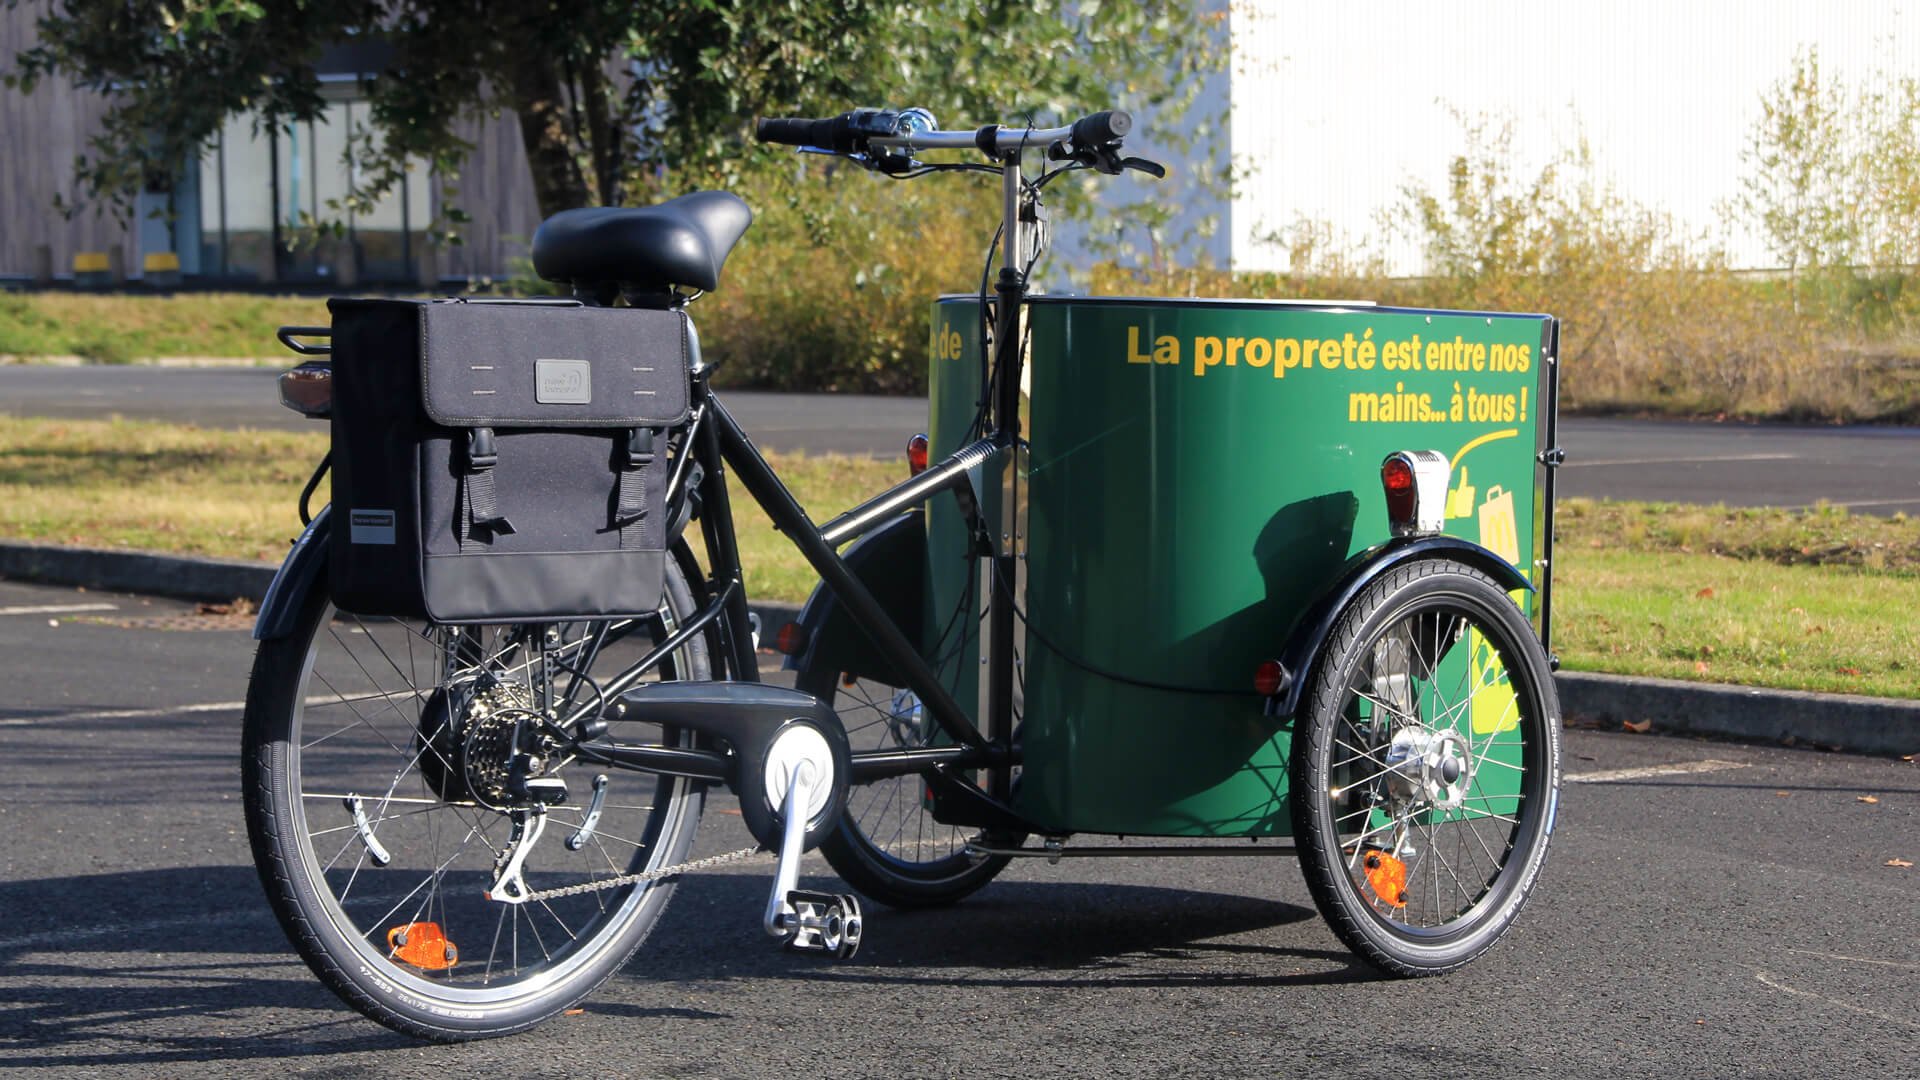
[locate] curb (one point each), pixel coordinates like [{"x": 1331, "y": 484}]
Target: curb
[
  {"x": 187, "y": 577},
  {"x": 1849, "y": 722},
  {"x": 1862, "y": 725}
]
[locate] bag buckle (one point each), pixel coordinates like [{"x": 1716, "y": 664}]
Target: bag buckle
[
  {"x": 480, "y": 449},
  {"x": 639, "y": 447}
]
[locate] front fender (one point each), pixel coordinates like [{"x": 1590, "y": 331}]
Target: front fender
[
  {"x": 1309, "y": 637},
  {"x": 280, "y": 608},
  {"x": 891, "y": 561}
]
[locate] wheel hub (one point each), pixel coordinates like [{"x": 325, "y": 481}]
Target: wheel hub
[
  {"x": 906, "y": 718},
  {"x": 468, "y": 744},
  {"x": 1432, "y": 767}
]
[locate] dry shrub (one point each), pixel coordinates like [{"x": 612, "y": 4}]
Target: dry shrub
[
  {"x": 1653, "y": 320},
  {"x": 831, "y": 288}
]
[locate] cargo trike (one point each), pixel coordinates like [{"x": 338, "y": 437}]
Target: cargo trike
[{"x": 1185, "y": 577}]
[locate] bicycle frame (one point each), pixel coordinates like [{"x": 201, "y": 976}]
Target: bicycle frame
[{"x": 715, "y": 442}]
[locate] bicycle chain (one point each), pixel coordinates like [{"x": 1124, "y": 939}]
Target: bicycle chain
[{"x": 644, "y": 876}]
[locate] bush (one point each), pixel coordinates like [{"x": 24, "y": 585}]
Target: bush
[{"x": 831, "y": 288}]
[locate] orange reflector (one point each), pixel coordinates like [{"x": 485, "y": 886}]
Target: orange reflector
[
  {"x": 791, "y": 640},
  {"x": 424, "y": 945},
  {"x": 916, "y": 455},
  {"x": 1270, "y": 678},
  {"x": 1387, "y": 877}
]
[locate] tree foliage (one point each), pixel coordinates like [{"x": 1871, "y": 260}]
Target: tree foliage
[{"x": 610, "y": 97}]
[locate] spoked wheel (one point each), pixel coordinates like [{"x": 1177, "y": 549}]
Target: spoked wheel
[
  {"x": 887, "y": 845},
  {"x": 1426, "y": 765},
  {"x": 388, "y": 768}
]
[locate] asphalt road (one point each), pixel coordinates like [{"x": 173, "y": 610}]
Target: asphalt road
[
  {"x": 1875, "y": 470},
  {"x": 1739, "y": 920}
]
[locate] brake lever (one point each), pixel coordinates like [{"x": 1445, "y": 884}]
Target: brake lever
[{"x": 1151, "y": 168}]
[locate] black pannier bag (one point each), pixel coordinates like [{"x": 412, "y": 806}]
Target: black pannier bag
[{"x": 502, "y": 461}]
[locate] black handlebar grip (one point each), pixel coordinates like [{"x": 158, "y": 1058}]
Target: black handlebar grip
[
  {"x": 1101, "y": 128},
  {"x": 795, "y": 132}
]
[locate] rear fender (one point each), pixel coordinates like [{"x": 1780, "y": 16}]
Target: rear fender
[
  {"x": 280, "y": 608},
  {"x": 1308, "y": 639}
]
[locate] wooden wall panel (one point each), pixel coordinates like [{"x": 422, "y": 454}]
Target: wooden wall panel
[{"x": 40, "y": 134}]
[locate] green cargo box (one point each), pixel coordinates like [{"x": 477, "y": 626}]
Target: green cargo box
[{"x": 1199, "y": 473}]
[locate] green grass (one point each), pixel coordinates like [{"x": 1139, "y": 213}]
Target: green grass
[
  {"x": 116, "y": 329},
  {"x": 1815, "y": 600},
  {"x": 233, "y": 494},
  {"x": 1717, "y": 619}
]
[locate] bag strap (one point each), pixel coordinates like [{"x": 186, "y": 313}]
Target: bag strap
[
  {"x": 479, "y": 502},
  {"x": 632, "y": 502}
]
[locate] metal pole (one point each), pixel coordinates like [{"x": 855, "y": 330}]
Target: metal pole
[{"x": 1002, "y": 563}]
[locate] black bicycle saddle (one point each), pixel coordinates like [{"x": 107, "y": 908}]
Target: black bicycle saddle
[{"x": 682, "y": 241}]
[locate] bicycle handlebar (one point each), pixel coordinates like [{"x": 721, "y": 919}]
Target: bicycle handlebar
[
  {"x": 1102, "y": 128},
  {"x": 795, "y": 132},
  {"x": 863, "y": 129}
]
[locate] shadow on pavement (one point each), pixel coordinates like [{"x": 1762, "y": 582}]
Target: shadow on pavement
[
  {"x": 148, "y": 968},
  {"x": 111, "y": 962},
  {"x": 1010, "y": 934}
]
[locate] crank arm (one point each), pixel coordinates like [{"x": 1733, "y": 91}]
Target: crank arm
[{"x": 808, "y": 921}]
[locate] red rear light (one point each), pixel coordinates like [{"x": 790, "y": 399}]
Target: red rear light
[
  {"x": 1415, "y": 484},
  {"x": 916, "y": 455},
  {"x": 791, "y": 640},
  {"x": 1270, "y": 678},
  {"x": 1396, "y": 476}
]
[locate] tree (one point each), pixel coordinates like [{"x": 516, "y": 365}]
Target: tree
[
  {"x": 607, "y": 92},
  {"x": 1801, "y": 156}
]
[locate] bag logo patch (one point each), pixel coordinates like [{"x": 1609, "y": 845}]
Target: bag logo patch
[
  {"x": 370, "y": 527},
  {"x": 562, "y": 382}
]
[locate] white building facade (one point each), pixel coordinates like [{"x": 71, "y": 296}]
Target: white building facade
[{"x": 1336, "y": 106}]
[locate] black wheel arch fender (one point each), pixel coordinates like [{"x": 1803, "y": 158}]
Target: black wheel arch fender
[
  {"x": 891, "y": 561},
  {"x": 1307, "y": 641},
  {"x": 280, "y": 607}
]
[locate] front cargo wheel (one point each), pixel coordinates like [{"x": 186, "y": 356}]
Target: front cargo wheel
[{"x": 1426, "y": 769}]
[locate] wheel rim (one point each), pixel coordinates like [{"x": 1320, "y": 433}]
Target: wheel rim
[
  {"x": 357, "y": 733},
  {"x": 891, "y": 820},
  {"x": 1437, "y": 774}
]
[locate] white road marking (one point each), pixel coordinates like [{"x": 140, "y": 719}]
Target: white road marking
[
  {"x": 1573, "y": 463},
  {"x": 1767, "y": 979},
  {"x": 56, "y": 609},
  {"x": 1680, "y": 768},
  {"x": 124, "y": 714},
  {"x": 1854, "y": 959}
]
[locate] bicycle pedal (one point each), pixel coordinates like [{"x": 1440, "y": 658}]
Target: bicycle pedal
[{"x": 827, "y": 923}]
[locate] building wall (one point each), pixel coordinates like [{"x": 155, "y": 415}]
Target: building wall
[
  {"x": 495, "y": 186},
  {"x": 1359, "y": 99},
  {"x": 42, "y": 133}
]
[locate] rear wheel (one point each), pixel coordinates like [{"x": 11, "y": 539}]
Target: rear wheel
[
  {"x": 388, "y": 766},
  {"x": 1426, "y": 768},
  {"x": 887, "y": 845}
]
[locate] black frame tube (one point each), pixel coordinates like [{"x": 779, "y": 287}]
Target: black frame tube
[
  {"x": 670, "y": 760},
  {"x": 624, "y": 681},
  {"x": 791, "y": 519}
]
